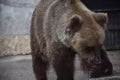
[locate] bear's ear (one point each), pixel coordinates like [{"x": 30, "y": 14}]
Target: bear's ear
[
  {"x": 101, "y": 18},
  {"x": 74, "y": 24}
]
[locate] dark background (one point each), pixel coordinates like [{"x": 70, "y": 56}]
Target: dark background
[
  {"x": 112, "y": 7},
  {"x": 106, "y": 5}
]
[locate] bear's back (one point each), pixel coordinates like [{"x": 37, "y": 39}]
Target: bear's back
[{"x": 36, "y": 28}]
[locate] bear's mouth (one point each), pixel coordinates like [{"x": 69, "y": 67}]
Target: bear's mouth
[
  {"x": 100, "y": 71},
  {"x": 101, "y": 68},
  {"x": 96, "y": 63}
]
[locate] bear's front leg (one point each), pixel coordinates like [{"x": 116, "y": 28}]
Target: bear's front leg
[{"x": 63, "y": 64}]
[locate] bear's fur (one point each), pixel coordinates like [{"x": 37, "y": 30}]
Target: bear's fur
[{"x": 60, "y": 29}]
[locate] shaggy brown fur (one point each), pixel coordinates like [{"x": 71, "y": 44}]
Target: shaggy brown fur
[{"x": 62, "y": 28}]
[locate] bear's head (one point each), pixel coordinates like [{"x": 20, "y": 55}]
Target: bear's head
[{"x": 85, "y": 34}]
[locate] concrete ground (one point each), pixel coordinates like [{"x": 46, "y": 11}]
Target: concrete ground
[{"x": 20, "y": 68}]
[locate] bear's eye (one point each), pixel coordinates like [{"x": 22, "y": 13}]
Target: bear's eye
[{"x": 69, "y": 32}]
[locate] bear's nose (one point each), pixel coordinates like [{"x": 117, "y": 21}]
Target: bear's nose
[{"x": 98, "y": 61}]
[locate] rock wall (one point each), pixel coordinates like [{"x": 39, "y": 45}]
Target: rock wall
[
  {"x": 15, "y": 17},
  {"x": 13, "y": 45}
]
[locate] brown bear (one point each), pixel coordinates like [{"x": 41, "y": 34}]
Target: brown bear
[{"x": 60, "y": 29}]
